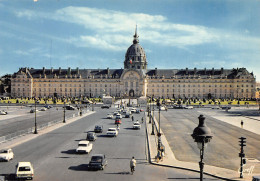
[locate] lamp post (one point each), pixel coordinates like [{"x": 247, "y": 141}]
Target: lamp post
[
  {"x": 150, "y": 110},
  {"x": 152, "y": 121},
  {"x": 35, "y": 122},
  {"x": 64, "y": 111},
  {"x": 159, "y": 132},
  {"x": 202, "y": 135}
]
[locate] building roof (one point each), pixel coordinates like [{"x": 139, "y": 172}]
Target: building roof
[{"x": 152, "y": 73}]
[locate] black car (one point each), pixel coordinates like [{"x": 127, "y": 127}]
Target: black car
[
  {"x": 98, "y": 129},
  {"x": 91, "y": 136},
  {"x": 105, "y": 107},
  {"x": 98, "y": 162}
]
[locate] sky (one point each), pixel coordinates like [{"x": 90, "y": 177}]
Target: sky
[{"x": 175, "y": 34}]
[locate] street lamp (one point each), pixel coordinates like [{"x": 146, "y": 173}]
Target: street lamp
[
  {"x": 152, "y": 121},
  {"x": 64, "y": 111},
  {"x": 35, "y": 123},
  {"x": 202, "y": 135}
]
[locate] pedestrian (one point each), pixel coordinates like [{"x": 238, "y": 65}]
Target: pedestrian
[
  {"x": 132, "y": 118},
  {"x": 142, "y": 119},
  {"x": 242, "y": 123}
]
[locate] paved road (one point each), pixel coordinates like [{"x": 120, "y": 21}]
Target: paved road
[
  {"x": 19, "y": 118},
  {"x": 53, "y": 154},
  {"x": 223, "y": 149}
]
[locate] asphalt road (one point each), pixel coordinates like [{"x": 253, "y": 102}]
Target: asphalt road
[
  {"x": 53, "y": 154},
  {"x": 20, "y": 118},
  {"x": 223, "y": 149}
]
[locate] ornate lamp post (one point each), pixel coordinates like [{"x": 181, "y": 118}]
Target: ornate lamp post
[
  {"x": 152, "y": 121},
  {"x": 202, "y": 135}
]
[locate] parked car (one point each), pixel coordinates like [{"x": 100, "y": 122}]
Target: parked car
[
  {"x": 24, "y": 170},
  {"x": 84, "y": 147},
  {"x": 91, "y": 136},
  {"x": 6, "y": 155},
  {"x": 110, "y": 116},
  {"x": 115, "y": 113},
  {"x": 48, "y": 106},
  {"x": 188, "y": 107},
  {"x": 98, "y": 161},
  {"x": 256, "y": 178},
  {"x": 112, "y": 132},
  {"x": 141, "y": 110},
  {"x": 162, "y": 108},
  {"x": 105, "y": 107},
  {"x": 3, "y": 112},
  {"x": 98, "y": 129},
  {"x": 43, "y": 109},
  {"x": 33, "y": 110},
  {"x": 136, "y": 125},
  {"x": 68, "y": 107},
  {"x": 226, "y": 107},
  {"x": 118, "y": 121}
]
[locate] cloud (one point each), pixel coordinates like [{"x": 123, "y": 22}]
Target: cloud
[{"x": 112, "y": 28}]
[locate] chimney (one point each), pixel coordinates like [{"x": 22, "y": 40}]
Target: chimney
[
  {"x": 155, "y": 71},
  {"x": 108, "y": 72},
  {"x": 77, "y": 70},
  {"x": 213, "y": 71},
  {"x": 52, "y": 70},
  {"x": 43, "y": 70},
  {"x": 69, "y": 71},
  {"x": 195, "y": 70},
  {"x": 187, "y": 71},
  {"x": 222, "y": 70},
  {"x": 205, "y": 71},
  {"x": 59, "y": 70}
]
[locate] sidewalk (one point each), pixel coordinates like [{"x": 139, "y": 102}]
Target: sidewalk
[
  {"x": 28, "y": 137},
  {"x": 169, "y": 159}
]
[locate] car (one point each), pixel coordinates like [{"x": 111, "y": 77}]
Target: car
[
  {"x": 98, "y": 129},
  {"x": 188, "y": 107},
  {"x": 127, "y": 114},
  {"x": 116, "y": 112},
  {"x": 112, "y": 132},
  {"x": 6, "y": 155},
  {"x": 256, "y": 178},
  {"x": 136, "y": 125},
  {"x": 48, "y": 106},
  {"x": 141, "y": 110},
  {"x": 43, "y": 109},
  {"x": 68, "y": 107},
  {"x": 24, "y": 170},
  {"x": 133, "y": 110},
  {"x": 118, "y": 116},
  {"x": 118, "y": 121},
  {"x": 84, "y": 147},
  {"x": 105, "y": 107},
  {"x": 33, "y": 110},
  {"x": 162, "y": 108},
  {"x": 110, "y": 116},
  {"x": 98, "y": 162},
  {"x": 137, "y": 111},
  {"x": 3, "y": 112},
  {"x": 91, "y": 136},
  {"x": 226, "y": 107}
]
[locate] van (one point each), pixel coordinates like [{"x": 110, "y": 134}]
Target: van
[{"x": 24, "y": 170}]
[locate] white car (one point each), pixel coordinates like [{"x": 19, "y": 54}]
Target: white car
[
  {"x": 133, "y": 110},
  {"x": 84, "y": 147},
  {"x": 3, "y": 113},
  {"x": 118, "y": 116},
  {"x": 162, "y": 108},
  {"x": 116, "y": 112},
  {"x": 6, "y": 155},
  {"x": 188, "y": 107},
  {"x": 24, "y": 170},
  {"x": 136, "y": 125},
  {"x": 43, "y": 109},
  {"x": 112, "y": 132},
  {"x": 109, "y": 116}
]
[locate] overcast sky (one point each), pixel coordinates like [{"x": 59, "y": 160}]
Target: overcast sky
[{"x": 97, "y": 33}]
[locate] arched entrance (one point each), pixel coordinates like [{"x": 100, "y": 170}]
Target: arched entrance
[{"x": 131, "y": 93}]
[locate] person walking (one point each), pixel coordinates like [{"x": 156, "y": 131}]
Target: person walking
[
  {"x": 132, "y": 165},
  {"x": 132, "y": 118}
]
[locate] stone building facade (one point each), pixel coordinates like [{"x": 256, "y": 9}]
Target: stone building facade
[{"x": 134, "y": 80}]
